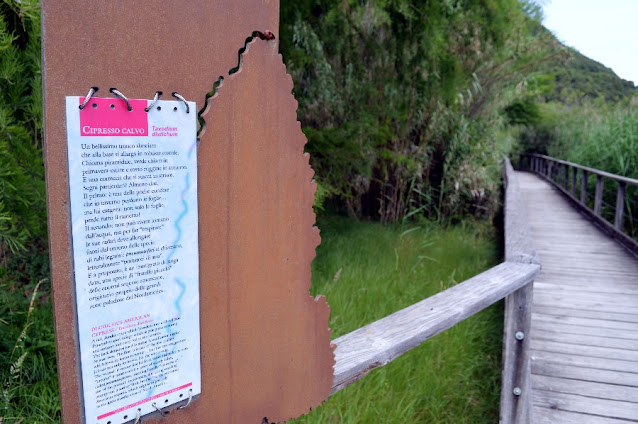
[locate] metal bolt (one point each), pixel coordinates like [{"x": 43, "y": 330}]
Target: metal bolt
[
  {"x": 519, "y": 335},
  {"x": 517, "y": 391}
]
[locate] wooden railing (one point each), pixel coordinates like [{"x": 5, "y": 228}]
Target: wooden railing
[
  {"x": 382, "y": 341},
  {"x": 573, "y": 181}
]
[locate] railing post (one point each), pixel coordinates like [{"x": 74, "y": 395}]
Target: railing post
[
  {"x": 566, "y": 177},
  {"x": 620, "y": 205},
  {"x": 517, "y": 383},
  {"x": 574, "y": 180},
  {"x": 538, "y": 165},
  {"x": 550, "y": 170},
  {"x": 598, "y": 200},
  {"x": 583, "y": 188}
]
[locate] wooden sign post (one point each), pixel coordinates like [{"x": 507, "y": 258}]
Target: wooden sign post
[{"x": 265, "y": 343}]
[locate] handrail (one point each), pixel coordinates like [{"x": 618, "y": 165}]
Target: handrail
[
  {"x": 378, "y": 343},
  {"x": 595, "y": 171},
  {"x": 565, "y": 176},
  {"x": 519, "y": 244},
  {"x": 382, "y": 341},
  {"x": 516, "y": 387}
]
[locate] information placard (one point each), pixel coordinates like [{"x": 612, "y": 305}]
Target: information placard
[{"x": 133, "y": 191}]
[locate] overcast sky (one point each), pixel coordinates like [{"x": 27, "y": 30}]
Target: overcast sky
[{"x": 603, "y": 30}]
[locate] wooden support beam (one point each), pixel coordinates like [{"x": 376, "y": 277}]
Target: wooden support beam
[
  {"x": 598, "y": 201},
  {"x": 516, "y": 387},
  {"x": 620, "y": 205},
  {"x": 583, "y": 188}
]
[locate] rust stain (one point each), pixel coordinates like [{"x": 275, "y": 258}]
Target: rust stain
[
  {"x": 259, "y": 195},
  {"x": 265, "y": 342}
]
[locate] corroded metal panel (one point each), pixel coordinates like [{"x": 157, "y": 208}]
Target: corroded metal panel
[
  {"x": 265, "y": 341},
  {"x": 256, "y": 188}
]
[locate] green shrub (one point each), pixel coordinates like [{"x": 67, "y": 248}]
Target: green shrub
[
  {"x": 402, "y": 101},
  {"x": 22, "y": 194}
]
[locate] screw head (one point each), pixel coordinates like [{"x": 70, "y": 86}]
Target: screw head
[
  {"x": 517, "y": 391},
  {"x": 519, "y": 335}
]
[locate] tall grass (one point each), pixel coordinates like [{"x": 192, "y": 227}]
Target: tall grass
[
  {"x": 368, "y": 271},
  {"x": 29, "y": 392},
  {"x": 605, "y": 139},
  {"x": 600, "y": 138}
]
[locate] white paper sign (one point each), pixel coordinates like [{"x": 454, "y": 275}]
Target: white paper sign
[{"x": 133, "y": 190}]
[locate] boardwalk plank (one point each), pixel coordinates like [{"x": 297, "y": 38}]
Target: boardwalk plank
[
  {"x": 585, "y": 361},
  {"x": 584, "y": 335},
  {"x": 579, "y": 373},
  {"x": 553, "y": 416},
  {"x": 542, "y": 298},
  {"x": 629, "y": 301},
  {"x": 538, "y": 326},
  {"x": 586, "y": 388},
  {"x": 591, "y": 351},
  {"x": 576, "y": 312},
  {"x": 586, "y": 405},
  {"x": 570, "y": 285},
  {"x": 584, "y": 322},
  {"x": 588, "y": 340}
]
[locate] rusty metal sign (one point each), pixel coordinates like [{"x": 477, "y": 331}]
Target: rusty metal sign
[{"x": 265, "y": 345}]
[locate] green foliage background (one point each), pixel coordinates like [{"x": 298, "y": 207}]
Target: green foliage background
[
  {"x": 408, "y": 107},
  {"x": 402, "y": 101},
  {"x": 27, "y": 349},
  {"x": 22, "y": 198}
]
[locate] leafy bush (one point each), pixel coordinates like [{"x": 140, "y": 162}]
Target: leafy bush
[
  {"x": 22, "y": 198},
  {"x": 401, "y": 101}
]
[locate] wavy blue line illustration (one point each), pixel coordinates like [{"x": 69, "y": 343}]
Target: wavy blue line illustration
[
  {"x": 191, "y": 150},
  {"x": 172, "y": 333}
]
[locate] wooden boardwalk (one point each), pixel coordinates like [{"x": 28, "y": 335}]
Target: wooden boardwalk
[{"x": 585, "y": 316}]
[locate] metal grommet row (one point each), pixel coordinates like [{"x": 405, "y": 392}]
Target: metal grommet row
[
  {"x": 92, "y": 91},
  {"x": 155, "y": 99},
  {"x": 122, "y": 96},
  {"x": 138, "y": 416},
  {"x": 190, "y": 398},
  {"x": 159, "y": 409},
  {"x": 138, "y": 413},
  {"x": 179, "y": 96},
  {"x": 119, "y": 94}
]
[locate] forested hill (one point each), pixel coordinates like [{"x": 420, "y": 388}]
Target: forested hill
[
  {"x": 579, "y": 111},
  {"x": 582, "y": 79}
]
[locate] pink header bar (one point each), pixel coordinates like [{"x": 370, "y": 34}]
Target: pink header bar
[{"x": 108, "y": 116}]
